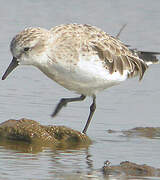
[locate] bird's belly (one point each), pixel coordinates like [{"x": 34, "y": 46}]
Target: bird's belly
[
  {"x": 87, "y": 85},
  {"x": 85, "y": 77}
]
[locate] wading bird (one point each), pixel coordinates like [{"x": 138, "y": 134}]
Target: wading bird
[{"x": 81, "y": 58}]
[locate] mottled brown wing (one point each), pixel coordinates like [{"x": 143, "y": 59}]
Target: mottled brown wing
[{"x": 117, "y": 58}]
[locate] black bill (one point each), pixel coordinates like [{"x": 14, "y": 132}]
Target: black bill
[{"x": 11, "y": 67}]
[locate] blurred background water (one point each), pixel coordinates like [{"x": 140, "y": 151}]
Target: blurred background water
[{"x": 28, "y": 93}]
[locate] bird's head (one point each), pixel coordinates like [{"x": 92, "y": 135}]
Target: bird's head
[{"x": 26, "y": 47}]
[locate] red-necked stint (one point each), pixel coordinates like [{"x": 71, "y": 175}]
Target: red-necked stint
[{"x": 81, "y": 58}]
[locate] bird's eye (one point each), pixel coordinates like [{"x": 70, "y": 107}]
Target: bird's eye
[{"x": 26, "y": 49}]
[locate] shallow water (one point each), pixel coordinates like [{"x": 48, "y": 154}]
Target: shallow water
[{"x": 28, "y": 93}]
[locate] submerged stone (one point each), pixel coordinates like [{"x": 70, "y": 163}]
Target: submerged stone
[
  {"x": 127, "y": 168},
  {"x": 149, "y": 132}
]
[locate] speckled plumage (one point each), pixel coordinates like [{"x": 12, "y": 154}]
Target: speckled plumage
[
  {"x": 89, "y": 40},
  {"x": 81, "y": 58}
]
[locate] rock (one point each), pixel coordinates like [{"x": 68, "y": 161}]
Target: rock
[
  {"x": 25, "y": 130},
  {"x": 149, "y": 132},
  {"x": 131, "y": 169},
  {"x": 32, "y": 132}
]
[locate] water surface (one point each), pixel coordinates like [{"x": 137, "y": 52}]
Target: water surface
[{"x": 28, "y": 93}]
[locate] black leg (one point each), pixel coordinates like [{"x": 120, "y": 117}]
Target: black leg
[
  {"x": 92, "y": 110},
  {"x": 63, "y": 102}
]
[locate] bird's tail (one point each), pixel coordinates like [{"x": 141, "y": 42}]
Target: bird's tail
[{"x": 147, "y": 57}]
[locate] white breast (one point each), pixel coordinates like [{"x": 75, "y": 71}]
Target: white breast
[{"x": 86, "y": 77}]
